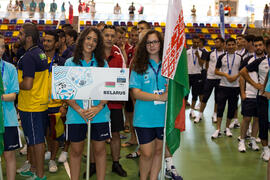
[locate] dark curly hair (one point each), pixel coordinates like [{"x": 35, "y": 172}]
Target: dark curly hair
[
  {"x": 98, "y": 52},
  {"x": 141, "y": 58}
]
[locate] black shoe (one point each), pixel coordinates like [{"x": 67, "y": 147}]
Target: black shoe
[
  {"x": 117, "y": 168},
  {"x": 92, "y": 171}
]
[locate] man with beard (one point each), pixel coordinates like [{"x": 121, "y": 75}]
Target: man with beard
[
  {"x": 261, "y": 67},
  {"x": 248, "y": 95},
  {"x": 55, "y": 107},
  {"x": 33, "y": 97}
]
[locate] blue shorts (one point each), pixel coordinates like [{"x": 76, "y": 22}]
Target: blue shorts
[
  {"x": 34, "y": 126},
  {"x": 146, "y": 135},
  {"x": 12, "y": 139},
  {"x": 78, "y": 132}
]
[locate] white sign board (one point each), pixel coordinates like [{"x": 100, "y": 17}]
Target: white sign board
[{"x": 93, "y": 83}]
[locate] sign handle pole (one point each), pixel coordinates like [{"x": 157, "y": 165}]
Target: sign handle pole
[{"x": 88, "y": 143}]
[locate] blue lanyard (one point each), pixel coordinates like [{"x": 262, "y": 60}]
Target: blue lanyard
[
  {"x": 156, "y": 72},
  {"x": 230, "y": 69},
  {"x": 51, "y": 64},
  {"x": 268, "y": 61},
  {"x": 3, "y": 69},
  {"x": 194, "y": 59}
]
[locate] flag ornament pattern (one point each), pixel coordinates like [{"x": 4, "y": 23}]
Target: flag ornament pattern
[{"x": 174, "y": 48}]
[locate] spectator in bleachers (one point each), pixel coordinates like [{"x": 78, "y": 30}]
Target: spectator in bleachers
[
  {"x": 265, "y": 15},
  {"x": 66, "y": 27}
]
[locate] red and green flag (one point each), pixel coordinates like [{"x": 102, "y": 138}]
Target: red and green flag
[{"x": 174, "y": 67}]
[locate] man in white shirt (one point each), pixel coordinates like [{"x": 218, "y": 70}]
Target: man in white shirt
[{"x": 227, "y": 67}]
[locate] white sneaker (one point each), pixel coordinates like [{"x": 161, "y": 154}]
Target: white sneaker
[
  {"x": 52, "y": 166},
  {"x": 197, "y": 119},
  {"x": 216, "y": 134},
  {"x": 228, "y": 132},
  {"x": 172, "y": 174},
  {"x": 253, "y": 145},
  {"x": 242, "y": 146},
  {"x": 214, "y": 118},
  {"x": 192, "y": 114},
  {"x": 47, "y": 155},
  {"x": 231, "y": 124},
  {"x": 63, "y": 157},
  {"x": 265, "y": 155},
  {"x": 25, "y": 167},
  {"x": 23, "y": 151}
]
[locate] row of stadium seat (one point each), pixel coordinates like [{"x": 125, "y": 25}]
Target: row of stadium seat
[
  {"x": 212, "y": 31},
  {"x": 82, "y": 22},
  {"x": 18, "y": 27},
  {"x": 214, "y": 25},
  {"x": 210, "y": 36}
]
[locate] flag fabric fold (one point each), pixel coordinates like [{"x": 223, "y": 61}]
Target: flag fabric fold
[{"x": 174, "y": 67}]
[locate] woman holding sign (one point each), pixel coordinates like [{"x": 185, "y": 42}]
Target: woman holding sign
[
  {"x": 149, "y": 90},
  {"x": 89, "y": 52}
]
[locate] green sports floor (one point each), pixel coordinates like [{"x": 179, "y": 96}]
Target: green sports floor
[{"x": 198, "y": 158}]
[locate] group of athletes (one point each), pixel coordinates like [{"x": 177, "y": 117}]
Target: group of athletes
[
  {"x": 27, "y": 92},
  {"x": 234, "y": 68}
]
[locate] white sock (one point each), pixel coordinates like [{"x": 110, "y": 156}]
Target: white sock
[
  {"x": 200, "y": 114},
  {"x": 215, "y": 114},
  {"x": 235, "y": 120},
  {"x": 265, "y": 148},
  {"x": 169, "y": 162}
]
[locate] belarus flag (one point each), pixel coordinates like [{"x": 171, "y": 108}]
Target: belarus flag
[{"x": 174, "y": 67}]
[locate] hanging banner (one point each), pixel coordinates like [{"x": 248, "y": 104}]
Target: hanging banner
[
  {"x": 90, "y": 83},
  {"x": 221, "y": 15}
]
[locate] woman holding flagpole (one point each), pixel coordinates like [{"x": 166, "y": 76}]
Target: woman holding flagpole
[
  {"x": 12, "y": 139},
  {"x": 89, "y": 52},
  {"x": 149, "y": 89}
]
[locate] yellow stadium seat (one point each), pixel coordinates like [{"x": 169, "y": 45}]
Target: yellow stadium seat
[
  {"x": 48, "y": 22},
  {"x": 214, "y": 36},
  {"x": 208, "y": 48},
  {"x": 189, "y": 42},
  {"x": 205, "y": 31},
  {"x": 215, "y": 25},
  {"x": 109, "y": 23},
  {"x": 43, "y": 34},
  {"x": 135, "y": 23},
  {"x": 186, "y": 30},
  {"x": 15, "y": 33},
  {"x": 189, "y": 25},
  {"x": 4, "y": 27},
  {"x": 60, "y": 27},
  {"x": 20, "y": 21},
  {"x": 251, "y": 25},
  {"x": 129, "y": 28},
  {"x": 81, "y": 23},
  {"x": 233, "y": 36},
  {"x": 233, "y": 25},
  {"x": 158, "y": 29},
  {"x": 226, "y": 31},
  {"x": 211, "y": 43},
  {"x": 162, "y": 24}
]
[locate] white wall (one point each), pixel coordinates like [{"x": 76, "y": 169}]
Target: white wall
[{"x": 155, "y": 9}]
